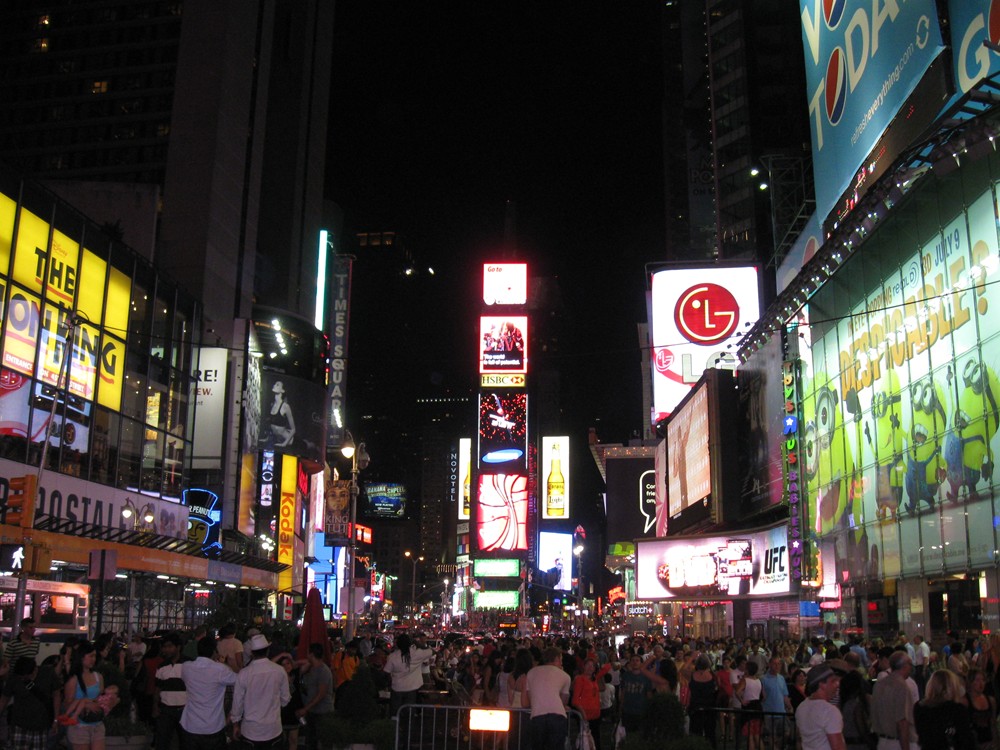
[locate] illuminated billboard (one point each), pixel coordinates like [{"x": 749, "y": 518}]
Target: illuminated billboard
[
  {"x": 555, "y": 559},
  {"x": 291, "y": 419},
  {"x": 499, "y": 568},
  {"x": 631, "y": 494},
  {"x": 465, "y": 472},
  {"x": 862, "y": 62},
  {"x": 689, "y": 463},
  {"x": 900, "y": 399},
  {"x": 503, "y": 430},
  {"x": 752, "y": 563},
  {"x": 554, "y": 476},
  {"x": 503, "y": 344},
  {"x": 505, "y": 283},
  {"x": 496, "y": 599},
  {"x": 502, "y": 513},
  {"x": 697, "y": 313},
  {"x": 385, "y": 500}
]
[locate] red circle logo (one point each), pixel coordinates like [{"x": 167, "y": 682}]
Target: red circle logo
[
  {"x": 662, "y": 359},
  {"x": 706, "y": 314}
]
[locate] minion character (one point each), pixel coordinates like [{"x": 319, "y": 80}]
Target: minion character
[
  {"x": 888, "y": 445},
  {"x": 830, "y": 475},
  {"x": 925, "y": 468},
  {"x": 977, "y": 416}
]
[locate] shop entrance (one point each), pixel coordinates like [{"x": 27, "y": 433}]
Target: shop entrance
[{"x": 954, "y": 606}]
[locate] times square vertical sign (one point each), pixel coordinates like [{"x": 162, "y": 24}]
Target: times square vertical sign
[{"x": 791, "y": 463}]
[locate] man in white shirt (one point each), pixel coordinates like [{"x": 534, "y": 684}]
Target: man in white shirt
[
  {"x": 261, "y": 690},
  {"x": 820, "y": 725},
  {"x": 546, "y": 693},
  {"x": 205, "y": 681},
  {"x": 921, "y": 656}
]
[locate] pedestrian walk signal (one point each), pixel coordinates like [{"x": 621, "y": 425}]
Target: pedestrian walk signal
[{"x": 20, "y": 506}]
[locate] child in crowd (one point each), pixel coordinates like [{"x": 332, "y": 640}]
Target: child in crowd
[{"x": 90, "y": 711}]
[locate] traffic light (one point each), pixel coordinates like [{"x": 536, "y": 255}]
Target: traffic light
[{"x": 20, "y": 510}]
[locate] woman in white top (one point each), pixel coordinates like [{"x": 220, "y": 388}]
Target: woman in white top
[
  {"x": 404, "y": 667},
  {"x": 505, "y": 683}
]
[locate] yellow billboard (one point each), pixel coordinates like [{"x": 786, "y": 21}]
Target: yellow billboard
[{"x": 286, "y": 521}]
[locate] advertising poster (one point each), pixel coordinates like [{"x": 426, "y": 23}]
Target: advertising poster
[
  {"x": 696, "y": 313},
  {"x": 902, "y": 406},
  {"x": 555, "y": 471},
  {"x": 505, "y": 283},
  {"x": 465, "y": 472},
  {"x": 292, "y": 416},
  {"x": 502, "y": 513},
  {"x": 208, "y": 383},
  {"x": 688, "y": 462},
  {"x": 753, "y": 563},
  {"x": 631, "y": 496},
  {"x": 761, "y": 405},
  {"x": 386, "y": 500},
  {"x": 555, "y": 560},
  {"x": 503, "y": 431},
  {"x": 503, "y": 344},
  {"x": 862, "y": 61}
]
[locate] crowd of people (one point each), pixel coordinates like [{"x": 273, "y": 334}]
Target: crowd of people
[{"x": 202, "y": 690}]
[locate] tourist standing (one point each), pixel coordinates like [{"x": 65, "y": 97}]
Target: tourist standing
[
  {"x": 317, "y": 694},
  {"x": 169, "y": 695},
  {"x": 547, "y": 690},
  {"x": 261, "y": 690},
  {"x": 820, "y": 725},
  {"x": 206, "y": 679}
]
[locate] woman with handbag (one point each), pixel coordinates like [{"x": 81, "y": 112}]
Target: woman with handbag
[{"x": 585, "y": 698}]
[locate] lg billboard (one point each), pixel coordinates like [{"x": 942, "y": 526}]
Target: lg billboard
[{"x": 698, "y": 315}]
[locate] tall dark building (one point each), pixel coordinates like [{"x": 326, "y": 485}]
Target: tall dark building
[{"x": 736, "y": 140}]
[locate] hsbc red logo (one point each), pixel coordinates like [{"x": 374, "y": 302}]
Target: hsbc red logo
[
  {"x": 662, "y": 359},
  {"x": 706, "y": 314},
  {"x": 10, "y": 381}
]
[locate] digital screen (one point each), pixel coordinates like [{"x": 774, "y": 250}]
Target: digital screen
[
  {"x": 631, "y": 497},
  {"x": 696, "y": 314},
  {"x": 741, "y": 564},
  {"x": 465, "y": 478},
  {"x": 689, "y": 469},
  {"x": 502, "y": 513},
  {"x": 555, "y": 560},
  {"x": 503, "y": 431},
  {"x": 505, "y": 283},
  {"x": 385, "y": 500},
  {"x": 554, "y": 477},
  {"x": 496, "y": 599},
  {"x": 496, "y": 568},
  {"x": 503, "y": 344}
]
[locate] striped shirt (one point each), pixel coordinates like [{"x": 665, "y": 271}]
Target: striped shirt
[
  {"x": 17, "y": 648},
  {"x": 170, "y": 684}
]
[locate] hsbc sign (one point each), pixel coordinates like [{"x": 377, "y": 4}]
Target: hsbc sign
[{"x": 863, "y": 59}]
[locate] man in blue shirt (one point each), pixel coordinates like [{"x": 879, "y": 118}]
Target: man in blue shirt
[{"x": 776, "y": 700}]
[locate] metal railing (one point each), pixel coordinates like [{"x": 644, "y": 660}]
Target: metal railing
[
  {"x": 438, "y": 727},
  {"x": 743, "y": 729}
]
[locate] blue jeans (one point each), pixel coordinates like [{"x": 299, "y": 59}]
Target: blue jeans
[{"x": 549, "y": 731}]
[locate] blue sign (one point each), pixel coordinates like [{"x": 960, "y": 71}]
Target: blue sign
[
  {"x": 863, "y": 59},
  {"x": 972, "y": 23}
]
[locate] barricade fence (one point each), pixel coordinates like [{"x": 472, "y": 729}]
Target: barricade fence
[
  {"x": 439, "y": 727},
  {"x": 447, "y": 727}
]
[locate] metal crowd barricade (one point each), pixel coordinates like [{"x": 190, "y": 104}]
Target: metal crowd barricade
[
  {"x": 724, "y": 728},
  {"x": 448, "y": 727}
]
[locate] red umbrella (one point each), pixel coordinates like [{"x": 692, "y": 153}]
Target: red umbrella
[{"x": 313, "y": 626}]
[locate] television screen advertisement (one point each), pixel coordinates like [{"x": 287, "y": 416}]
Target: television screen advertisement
[
  {"x": 555, "y": 560},
  {"x": 554, "y": 484},
  {"x": 688, "y": 459},
  {"x": 503, "y": 431},
  {"x": 505, "y": 283},
  {"x": 502, "y": 513},
  {"x": 503, "y": 344},
  {"x": 696, "y": 314},
  {"x": 862, "y": 62},
  {"x": 385, "y": 500},
  {"x": 740, "y": 564},
  {"x": 292, "y": 416}
]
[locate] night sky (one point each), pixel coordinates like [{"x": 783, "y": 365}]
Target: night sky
[{"x": 443, "y": 112}]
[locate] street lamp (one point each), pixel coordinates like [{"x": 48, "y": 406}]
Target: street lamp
[
  {"x": 413, "y": 585},
  {"x": 445, "y": 601},
  {"x": 359, "y": 462}
]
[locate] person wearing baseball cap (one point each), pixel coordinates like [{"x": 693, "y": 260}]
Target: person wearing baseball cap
[{"x": 820, "y": 725}]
